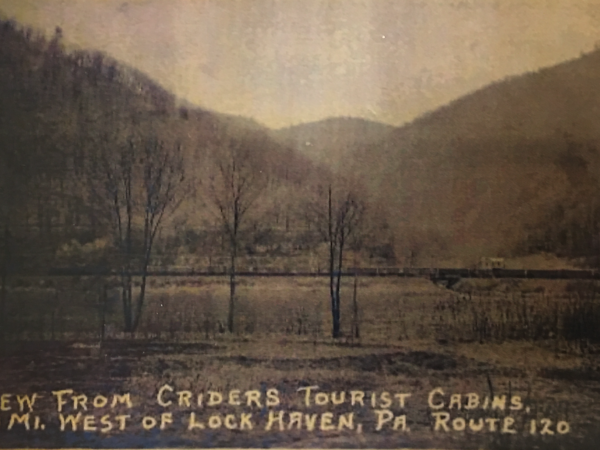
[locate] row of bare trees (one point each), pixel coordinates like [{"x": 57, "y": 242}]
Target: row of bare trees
[
  {"x": 138, "y": 179},
  {"x": 336, "y": 210},
  {"x": 92, "y": 151}
]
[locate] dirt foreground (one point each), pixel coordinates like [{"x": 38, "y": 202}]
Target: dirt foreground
[{"x": 298, "y": 393}]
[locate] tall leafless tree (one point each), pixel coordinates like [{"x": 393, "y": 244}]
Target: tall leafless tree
[
  {"x": 141, "y": 182},
  {"x": 237, "y": 182},
  {"x": 338, "y": 213}
]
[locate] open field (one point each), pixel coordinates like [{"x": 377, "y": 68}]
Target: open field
[{"x": 491, "y": 338}]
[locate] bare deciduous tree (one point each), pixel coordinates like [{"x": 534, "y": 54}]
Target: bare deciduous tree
[
  {"x": 338, "y": 213},
  {"x": 140, "y": 182},
  {"x": 238, "y": 180}
]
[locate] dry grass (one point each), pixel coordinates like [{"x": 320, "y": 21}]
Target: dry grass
[
  {"x": 415, "y": 336},
  {"x": 392, "y": 311}
]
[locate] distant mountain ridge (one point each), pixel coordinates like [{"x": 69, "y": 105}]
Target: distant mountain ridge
[
  {"x": 509, "y": 169},
  {"x": 487, "y": 173},
  {"x": 330, "y": 141}
]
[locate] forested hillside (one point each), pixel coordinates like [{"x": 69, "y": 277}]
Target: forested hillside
[
  {"x": 508, "y": 170},
  {"x": 86, "y": 142}
]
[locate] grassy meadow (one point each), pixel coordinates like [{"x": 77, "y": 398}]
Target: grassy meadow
[{"x": 531, "y": 339}]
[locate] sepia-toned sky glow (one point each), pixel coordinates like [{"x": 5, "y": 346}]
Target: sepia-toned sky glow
[{"x": 284, "y": 62}]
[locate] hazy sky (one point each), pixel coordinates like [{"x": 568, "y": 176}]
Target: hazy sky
[{"x": 289, "y": 61}]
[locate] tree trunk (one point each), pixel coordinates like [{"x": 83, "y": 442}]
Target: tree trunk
[
  {"x": 140, "y": 303},
  {"x": 335, "y": 315},
  {"x": 336, "y": 318},
  {"x": 3, "y": 296},
  {"x": 356, "y": 330},
  {"x": 232, "y": 281},
  {"x": 340, "y": 254},
  {"x": 126, "y": 299},
  {"x": 130, "y": 301},
  {"x": 103, "y": 305},
  {"x": 336, "y": 307},
  {"x": 53, "y": 315},
  {"x": 3, "y": 287},
  {"x": 334, "y": 303}
]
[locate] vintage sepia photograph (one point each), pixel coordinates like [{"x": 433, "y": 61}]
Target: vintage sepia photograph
[{"x": 300, "y": 224}]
